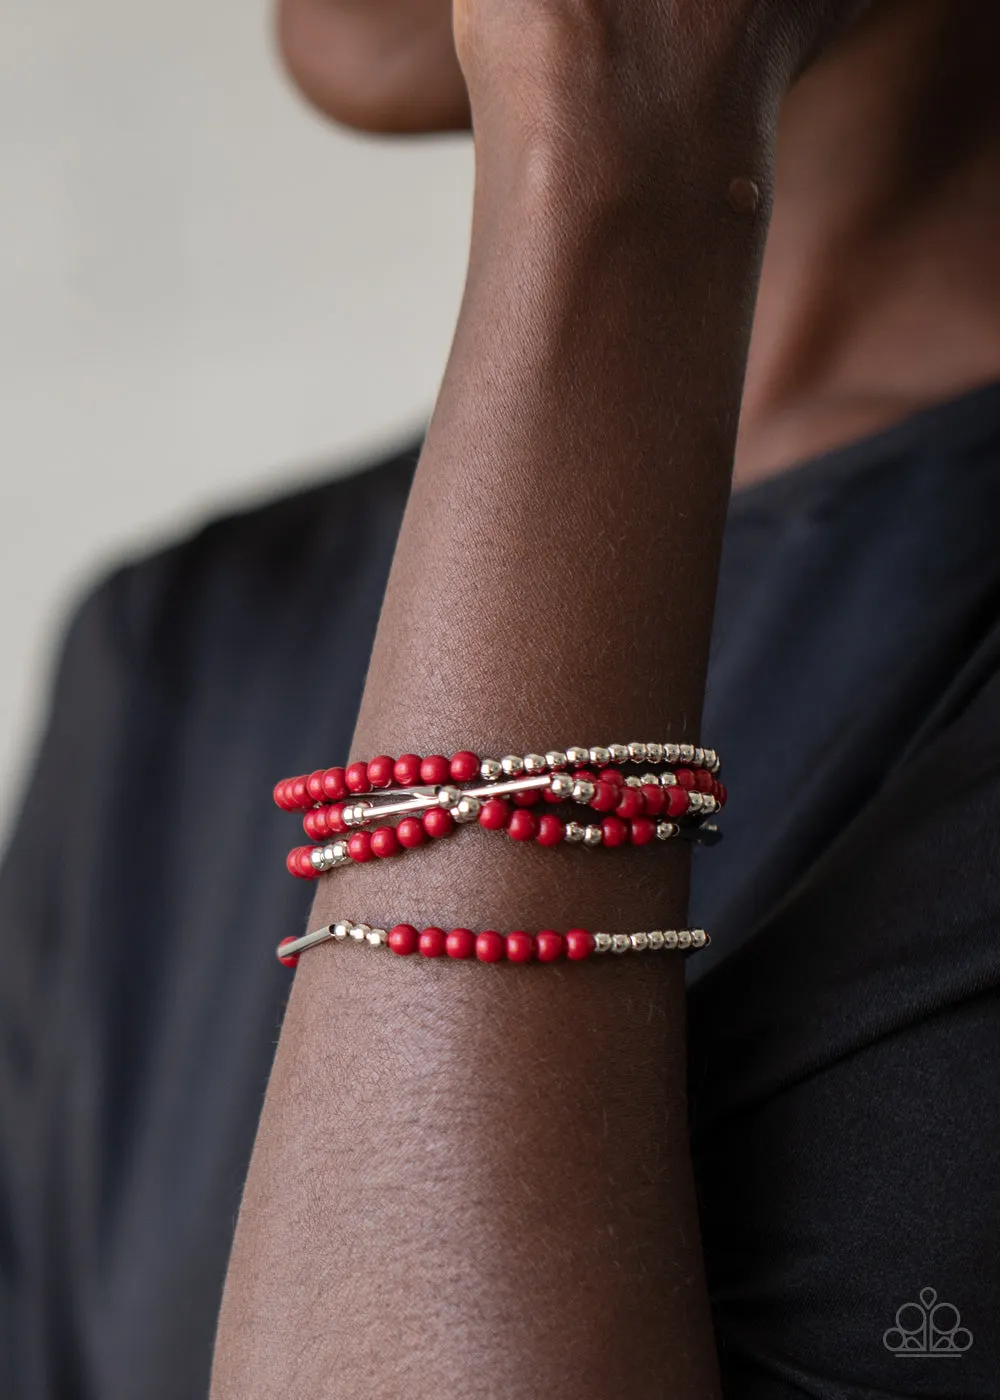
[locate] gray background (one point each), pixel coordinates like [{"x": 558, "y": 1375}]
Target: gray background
[{"x": 206, "y": 294}]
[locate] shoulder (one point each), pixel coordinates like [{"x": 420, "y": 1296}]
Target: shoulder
[{"x": 254, "y": 563}]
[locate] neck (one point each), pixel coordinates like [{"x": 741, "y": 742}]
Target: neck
[{"x": 880, "y": 292}]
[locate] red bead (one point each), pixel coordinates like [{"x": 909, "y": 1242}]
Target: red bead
[
  {"x": 549, "y": 945},
  {"x": 281, "y": 799},
  {"x": 642, "y": 831},
  {"x": 520, "y": 947},
  {"x": 432, "y": 943},
  {"x": 293, "y": 959},
  {"x": 460, "y": 943},
  {"x": 406, "y": 770},
  {"x": 299, "y": 863},
  {"x": 550, "y": 830},
  {"x": 300, "y": 795},
  {"x": 403, "y": 939},
  {"x": 523, "y": 825},
  {"x": 579, "y": 944},
  {"x": 464, "y": 766},
  {"x": 380, "y": 771},
  {"x": 356, "y": 777},
  {"x": 334, "y": 787},
  {"x": 584, "y": 775},
  {"x": 677, "y": 801},
  {"x": 314, "y": 823},
  {"x": 685, "y": 778},
  {"x": 335, "y": 818},
  {"x": 435, "y": 770},
  {"x": 612, "y": 775},
  {"x": 314, "y": 785},
  {"x": 385, "y": 842},
  {"x": 653, "y": 797},
  {"x": 438, "y": 823},
  {"x": 606, "y": 797},
  {"x": 631, "y": 803},
  {"x": 549, "y": 796},
  {"x": 489, "y": 947},
  {"x": 703, "y": 780},
  {"x": 493, "y": 814},
  {"x": 531, "y": 798},
  {"x": 410, "y": 833},
  {"x": 614, "y": 832},
  {"x": 359, "y": 847}
]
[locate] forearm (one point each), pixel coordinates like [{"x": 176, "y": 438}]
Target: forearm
[{"x": 473, "y": 1181}]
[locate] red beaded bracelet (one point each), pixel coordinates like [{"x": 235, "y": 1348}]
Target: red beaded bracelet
[
  {"x": 492, "y": 947},
  {"x": 336, "y": 784}
]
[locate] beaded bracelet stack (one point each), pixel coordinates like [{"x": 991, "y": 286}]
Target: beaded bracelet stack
[{"x": 434, "y": 797}]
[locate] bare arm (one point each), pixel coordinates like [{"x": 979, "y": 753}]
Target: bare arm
[{"x": 474, "y": 1181}]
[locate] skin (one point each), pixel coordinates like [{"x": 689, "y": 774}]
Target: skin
[{"x": 472, "y": 1181}]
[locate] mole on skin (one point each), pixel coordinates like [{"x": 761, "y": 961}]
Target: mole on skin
[{"x": 744, "y": 195}]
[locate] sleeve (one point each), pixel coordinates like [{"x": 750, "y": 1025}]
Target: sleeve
[
  {"x": 49, "y": 843},
  {"x": 845, "y": 1082}
]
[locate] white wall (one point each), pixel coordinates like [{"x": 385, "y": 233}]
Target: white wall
[{"x": 204, "y": 292}]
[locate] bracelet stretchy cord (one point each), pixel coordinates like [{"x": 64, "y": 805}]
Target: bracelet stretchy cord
[
  {"x": 461, "y": 944},
  {"x": 335, "y": 784}
]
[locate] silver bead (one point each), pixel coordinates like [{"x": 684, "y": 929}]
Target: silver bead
[
  {"x": 621, "y": 943},
  {"x": 555, "y": 759},
  {"x": 512, "y": 765},
  {"x": 686, "y": 752},
  {"x": 339, "y": 931},
  {"x": 448, "y": 797},
  {"x": 633, "y": 781},
  {"x": 699, "y": 757},
  {"x": 561, "y": 785},
  {"x": 575, "y": 832},
  {"x": 684, "y": 938},
  {"x": 583, "y": 790},
  {"x": 359, "y": 932},
  {"x": 534, "y": 763},
  {"x": 600, "y": 756},
  {"x": 666, "y": 831},
  {"x": 712, "y": 762},
  {"x": 467, "y": 809},
  {"x": 577, "y": 755},
  {"x": 654, "y": 753},
  {"x": 668, "y": 779},
  {"x": 710, "y": 804},
  {"x": 653, "y": 778},
  {"x": 656, "y": 938},
  {"x": 618, "y": 752},
  {"x": 377, "y": 937},
  {"x": 316, "y": 858},
  {"x": 602, "y": 942},
  {"x": 669, "y": 938},
  {"x": 671, "y": 753},
  {"x": 637, "y": 752},
  {"x": 490, "y": 770},
  {"x": 341, "y": 852},
  {"x": 640, "y": 942},
  {"x": 695, "y": 801},
  {"x": 592, "y": 836},
  {"x": 699, "y": 938}
]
